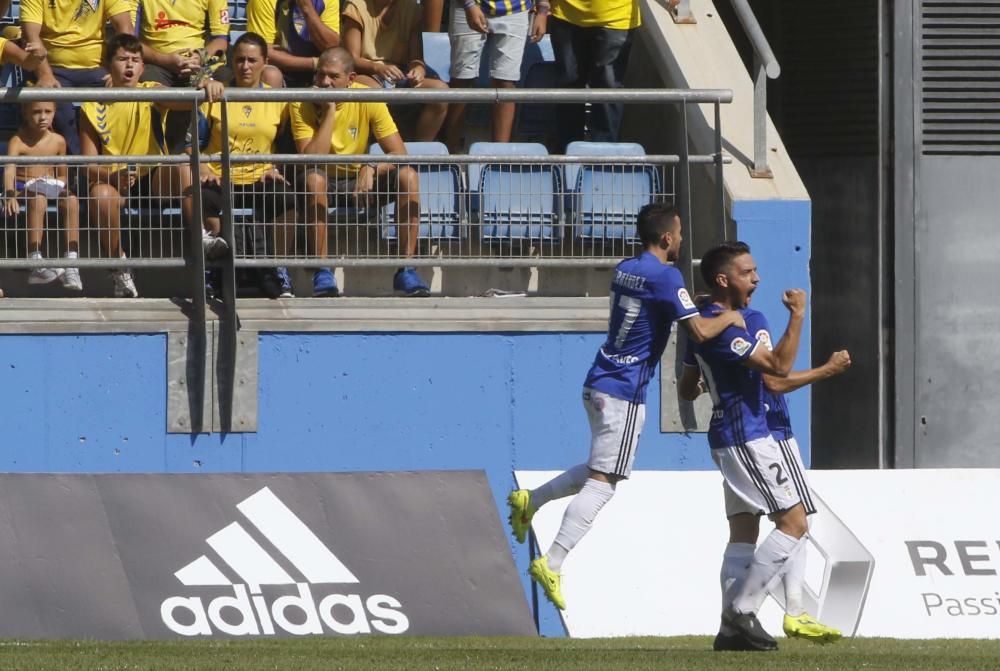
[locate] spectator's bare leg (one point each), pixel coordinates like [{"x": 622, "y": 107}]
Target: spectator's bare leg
[
  {"x": 432, "y": 115},
  {"x": 407, "y": 208},
  {"x": 106, "y": 209},
  {"x": 316, "y": 213},
  {"x": 69, "y": 216},
  {"x": 433, "y": 11},
  {"x": 284, "y": 230},
  {"x": 455, "y": 121},
  {"x": 36, "y": 221},
  {"x": 503, "y": 114}
]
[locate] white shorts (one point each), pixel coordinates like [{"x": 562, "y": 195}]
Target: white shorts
[
  {"x": 504, "y": 45},
  {"x": 615, "y": 426},
  {"x": 758, "y": 478},
  {"x": 50, "y": 187}
]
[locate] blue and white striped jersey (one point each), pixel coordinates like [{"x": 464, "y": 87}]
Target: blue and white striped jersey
[{"x": 647, "y": 297}]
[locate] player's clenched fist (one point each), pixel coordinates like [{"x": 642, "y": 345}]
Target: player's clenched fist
[
  {"x": 839, "y": 361},
  {"x": 795, "y": 301}
]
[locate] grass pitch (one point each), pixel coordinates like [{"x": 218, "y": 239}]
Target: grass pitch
[{"x": 515, "y": 654}]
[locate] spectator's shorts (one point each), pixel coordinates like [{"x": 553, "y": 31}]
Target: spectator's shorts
[
  {"x": 505, "y": 45},
  {"x": 341, "y": 195},
  {"x": 50, "y": 187}
]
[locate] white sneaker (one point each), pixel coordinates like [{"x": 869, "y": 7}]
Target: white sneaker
[
  {"x": 214, "y": 246},
  {"x": 124, "y": 286},
  {"x": 71, "y": 279},
  {"x": 44, "y": 275}
]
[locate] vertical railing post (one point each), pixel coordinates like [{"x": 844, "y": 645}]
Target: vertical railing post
[
  {"x": 683, "y": 197},
  {"x": 225, "y": 359},
  {"x": 720, "y": 184},
  {"x": 760, "y": 168},
  {"x": 198, "y": 341}
]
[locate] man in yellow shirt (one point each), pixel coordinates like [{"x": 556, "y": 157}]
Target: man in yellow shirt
[
  {"x": 130, "y": 128},
  {"x": 69, "y": 36},
  {"x": 298, "y": 31},
  {"x": 591, "y": 41},
  {"x": 172, "y": 35},
  {"x": 345, "y": 128}
]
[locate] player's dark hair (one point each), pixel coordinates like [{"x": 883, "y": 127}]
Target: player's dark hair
[
  {"x": 254, "y": 39},
  {"x": 126, "y": 42},
  {"x": 718, "y": 258},
  {"x": 654, "y": 220}
]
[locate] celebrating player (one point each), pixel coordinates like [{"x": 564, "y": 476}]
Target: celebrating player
[
  {"x": 744, "y": 522},
  {"x": 751, "y": 460},
  {"x": 647, "y": 296}
]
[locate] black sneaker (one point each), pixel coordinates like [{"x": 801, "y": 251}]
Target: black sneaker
[
  {"x": 748, "y": 627},
  {"x": 731, "y": 643}
]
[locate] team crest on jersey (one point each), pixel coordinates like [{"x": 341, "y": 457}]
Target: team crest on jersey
[
  {"x": 764, "y": 338},
  {"x": 353, "y": 131},
  {"x": 740, "y": 346},
  {"x": 247, "y": 111},
  {"x": 685, "y": 299}
]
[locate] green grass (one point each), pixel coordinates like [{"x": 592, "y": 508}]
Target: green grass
[{"x": 515, "y": 654}]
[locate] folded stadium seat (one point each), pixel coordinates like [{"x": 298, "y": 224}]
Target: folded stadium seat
[
  {"x": 237, "y": 17},
  {"x": 515, "y": 202},
  {"x": 437, "y": 55},
  {"x": 604, "y": 200},
  {"x": 440, "y": 204}
]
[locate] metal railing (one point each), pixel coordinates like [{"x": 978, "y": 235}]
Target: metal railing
[
  {"x": 765, "y": 66},
  {"x": 471, "y": 210}
]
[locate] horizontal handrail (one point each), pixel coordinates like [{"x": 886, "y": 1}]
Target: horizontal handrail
[
  {"x": 395, "y": 96},
  {"x": 338, "y": 159},
  {"x": 757, "y": 39}
]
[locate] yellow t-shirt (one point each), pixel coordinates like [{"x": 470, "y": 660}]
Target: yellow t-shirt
[
  {"x": 3, "y": 47},
  {"x": 263, "y": 18},
  {"x": 386, "y": 39},
  {"x": 617, "y": 14},
  {"x": 353, "y": 125},
  {"x": 253, "y": 128},
  {"x": 168, "y": 26},
  {"x": 127, "y": 128},
  {"x": 72, "y": 30}
]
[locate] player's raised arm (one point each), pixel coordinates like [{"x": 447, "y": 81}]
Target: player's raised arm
[
  {"x": 835, "y": 365},
  {"x": 701, "y": 328}
]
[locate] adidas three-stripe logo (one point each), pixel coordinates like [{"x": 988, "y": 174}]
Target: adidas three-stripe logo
[{"x": 244, "y": 609}]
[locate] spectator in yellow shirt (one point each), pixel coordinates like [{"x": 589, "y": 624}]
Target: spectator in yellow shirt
[
  {"x": 253, "y": 129},
  {"x": 297, "y": 32},
  {"x": 128, "y": 128},
  {"x": 69, "y": 36},
  {"x": 26, "y": 59},
  {"x": 346, "y": 128},
  {"x": 173, "y": 39},
  {"x": 591, "y": 41}
]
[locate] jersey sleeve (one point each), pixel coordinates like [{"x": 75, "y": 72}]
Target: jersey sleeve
[
  {"x": 669, "y": 290},
  {"x": 260, "y": 19},
  {"x": 331, "y": 15},
  {"x": 218, "y": 19},
  {"x": 31, "y": 11},
  {"x": 733, "y": 345},
  {"x": 758, "y": 327},
  {"x": 303, "y": 119},
  {"x": 116, "y": 7},
  {"x": 382, "y": 124}
]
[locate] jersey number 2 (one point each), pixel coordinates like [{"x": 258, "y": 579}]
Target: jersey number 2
[
  {"x": 779, "y": 476},
  {"x": 631, "y": 305}
]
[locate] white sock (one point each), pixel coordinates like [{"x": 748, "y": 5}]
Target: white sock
[
  {"x": 35, "y": 255},
  {"x": 768, "y": 562},
  {"x": 736, "y": 562},
  {"x": 794, "y": 578},
  {"x": 579, "y": 517},
  {"x": 564, "y": 484},
  {"x": 72, "y": 255}
]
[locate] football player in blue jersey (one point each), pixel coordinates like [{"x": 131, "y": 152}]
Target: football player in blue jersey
[
  {"x": 744, "y": 521},
  {"x": 647, "y": 297},
  {"x": 733, "y": 366}
]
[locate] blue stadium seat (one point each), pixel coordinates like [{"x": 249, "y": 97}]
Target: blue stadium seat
[
  {"x": 515, "y": 201},
  {"x": 604, "y": 200},
  {"x": 237, "y": 14},
  {"x": 440, "y": 189},
  {"x": 437, "y": 55}
]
